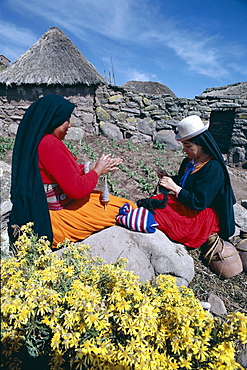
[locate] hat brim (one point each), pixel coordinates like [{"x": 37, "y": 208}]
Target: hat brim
[{"x": 193, "y": 134}]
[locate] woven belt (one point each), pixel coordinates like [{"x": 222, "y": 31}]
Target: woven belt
[{"x": 56, "y": 198}]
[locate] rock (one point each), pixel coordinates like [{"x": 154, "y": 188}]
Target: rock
[
  {"x": 140, "y": 139},
  {"x": 12, "y": 129},
  {"x": 102, "y": 115},
  {"x": 167, "y": 137},
  {"x": 240, "y": 214},
  {"x": 1, "y": 127},
  {"x": 242, "y": 358},
  {"x": 75, "y": 121},
  {"x": 5, "y": 177},
  {"x": 6, "y": 207},
  {"x": 236, "y": 155},
  {"x": 146, "y": 126},
  {"x": 244, "y": 203},
  {"x": 205, "y": 305},
  {"x": 111, "y": 131},
  {"x": 116, "y": 99},
  {"x": 147, "y": 254},
  {"x": 75, "y": 133},
  {"x": 87, "y": 118},
  {"x": 217, "y": 305}
]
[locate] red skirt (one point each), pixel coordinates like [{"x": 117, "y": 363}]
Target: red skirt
[{"x": 185, "y": 225}]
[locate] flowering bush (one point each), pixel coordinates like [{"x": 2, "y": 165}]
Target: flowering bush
[{"x": 80, "y": 313}]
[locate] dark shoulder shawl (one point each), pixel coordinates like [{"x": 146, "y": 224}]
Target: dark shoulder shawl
[
  {"x": 226, "y": 196},
  {"x": 27, "y": 191}
]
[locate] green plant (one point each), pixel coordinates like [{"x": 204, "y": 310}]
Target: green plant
[
  {"x": 123, "y": 168},
  {"x": 71, "y": 147},
  {"x": 159, "y": 146},
  {"x": 146, "y": 185},
  {"x": 77, "y": 312},
  {"x": 159, "y": 162},
  {"x": 131, "y": 146},
  {"x": 133, "y": 174},
  {"x": 113, "y": 185},
  {"x": 6, "y": 143},
  {"x": 114, "y": 144},
  {"x": 88, "y": 150}
]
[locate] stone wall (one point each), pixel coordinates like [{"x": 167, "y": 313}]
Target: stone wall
[
  {"x": 144, "y": 117},
  {"x": 15, "y": 101},
  {"x": 119, "y": 113}
]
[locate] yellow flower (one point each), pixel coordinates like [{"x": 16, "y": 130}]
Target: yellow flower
[
  {"x": 46, "y": 320},
  {"x": 184, "y": 363},
  {"x": 124, "y": 355},
  {"x": 200, "y": 351},
  {"x": 242, "y": 334},
  {"x": 55, "y": 341},
  {"x": 57, "y": 359},
  {"x": 170, "y": 363},
  {"x": 71, "y": 318},
  {"x": 100, "y": 315},
  {"x": 123, "y": 306},
  {"x": 71, "y": 339}
]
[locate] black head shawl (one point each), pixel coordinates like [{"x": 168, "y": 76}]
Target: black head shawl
[
  {"x": 27, "y": 191},
  {"x": 226, "y": 197}
]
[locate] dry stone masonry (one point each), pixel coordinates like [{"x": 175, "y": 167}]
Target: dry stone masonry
[{"x": 122, "y": 112}]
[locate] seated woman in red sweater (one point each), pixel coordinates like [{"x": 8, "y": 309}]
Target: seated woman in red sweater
[{"x": 49, "y": 187}]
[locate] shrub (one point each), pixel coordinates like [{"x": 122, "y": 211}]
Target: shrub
[
  {"x": 6, "y": 143},
  {"x": 77, "y": 312}
]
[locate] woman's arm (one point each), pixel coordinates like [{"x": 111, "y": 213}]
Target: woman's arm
[
  {"x": 170, "y": 185},
  {"x": 56, "y": 160}
]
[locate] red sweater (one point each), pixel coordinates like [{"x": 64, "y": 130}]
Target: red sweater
[{"x": 57, "y": 165}]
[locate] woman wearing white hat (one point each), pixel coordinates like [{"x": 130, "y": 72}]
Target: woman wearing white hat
[{"x": 201, "y": 199}]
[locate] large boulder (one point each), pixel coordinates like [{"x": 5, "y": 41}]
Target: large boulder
[
  {"x": 148, "y": 255},
  {"x": 167, "y": 137},
  {"x": 5, "y": 178},
  {"x": 109, "y": 130}
]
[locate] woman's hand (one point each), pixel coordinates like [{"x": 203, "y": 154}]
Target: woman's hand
[
  {"x": 169, "y": 184},
  {"x": 106, "y": 164},
  {"x": 161, "y": 173}
]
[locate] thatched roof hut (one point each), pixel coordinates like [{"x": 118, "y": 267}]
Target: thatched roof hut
[{"x": 52, "y": 60}]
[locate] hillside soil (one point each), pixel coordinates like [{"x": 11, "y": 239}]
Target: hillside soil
[{"x": 137, "y": 179}]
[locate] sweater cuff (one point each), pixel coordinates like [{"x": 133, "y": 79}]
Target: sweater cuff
[
  {"x": 177, "y": 192},
  {"x": 86, "y": 167}
]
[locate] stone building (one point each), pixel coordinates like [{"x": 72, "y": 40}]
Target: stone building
[
  {"x": 53, "y": 65},
  {"x": 4, "y": 61},
  {"x": 138, "y": 111}
]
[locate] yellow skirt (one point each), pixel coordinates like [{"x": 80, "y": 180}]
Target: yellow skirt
[{"x": 84, "y": 217}]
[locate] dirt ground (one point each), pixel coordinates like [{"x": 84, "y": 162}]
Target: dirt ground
[{"x": 137, "y": 179}]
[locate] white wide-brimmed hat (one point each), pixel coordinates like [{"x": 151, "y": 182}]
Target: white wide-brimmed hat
[{"x": 189, "y": 127}]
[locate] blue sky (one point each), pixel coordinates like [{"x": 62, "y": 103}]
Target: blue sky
[{"x": 188, "y": 45}]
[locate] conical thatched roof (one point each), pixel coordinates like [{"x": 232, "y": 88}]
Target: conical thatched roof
[{"x": 53, "y": 59}]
